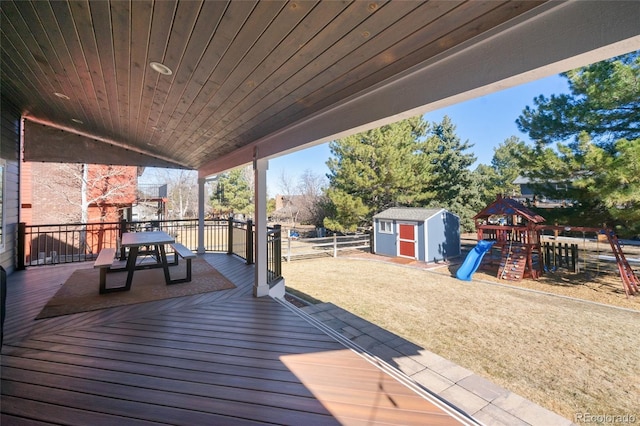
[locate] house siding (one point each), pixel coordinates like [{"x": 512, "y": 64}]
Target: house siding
[{"x": 9, "y": 152}]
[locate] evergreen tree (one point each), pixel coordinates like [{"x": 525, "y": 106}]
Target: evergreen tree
[
  {"x": 597, "y": 130},
  {"x": 506, "y": 160},
  {"x": 485, "y": 180},
  {"x": 374, "y": 170},
  {"x": 603, "y": 183},
  {"x": 233, "y": 194},
  {"x": 616, "y": 182},
  {"x": 451, "y": 182},
  {"x": 498, "y": 178},
  {"x": 604, "y": 102}
]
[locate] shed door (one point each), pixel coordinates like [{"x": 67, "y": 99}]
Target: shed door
[{"x": 407, "y": 240}]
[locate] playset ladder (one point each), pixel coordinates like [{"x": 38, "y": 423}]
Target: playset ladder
[
  {"x": 630, "y": 282},
  {"x": 514, "y": 260}
]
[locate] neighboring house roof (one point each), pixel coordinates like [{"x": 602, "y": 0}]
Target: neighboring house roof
[
  {"x": 408, "y": 213},
  {"x": 509, "y": 206},
  {"x": 287, "y": 205},
  {"x": 524, "y": 180},
  {"x": 287, "y": 210}
]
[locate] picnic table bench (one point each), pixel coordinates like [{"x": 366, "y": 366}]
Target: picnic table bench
[
  {"x": 104, "y": 262},
  {"x": 185, "y": 253}
]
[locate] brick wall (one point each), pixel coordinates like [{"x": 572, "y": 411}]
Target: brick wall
[
  {"x": 51, "y": 192},
  {"x": 55, "y": 196}
]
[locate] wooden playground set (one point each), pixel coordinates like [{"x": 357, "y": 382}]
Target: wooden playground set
[{"x": 517, "y": 249}]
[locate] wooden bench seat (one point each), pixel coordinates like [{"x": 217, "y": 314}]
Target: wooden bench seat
[
  {"x": 185, "y": 253},
  {"x": 104, "y": 262}
]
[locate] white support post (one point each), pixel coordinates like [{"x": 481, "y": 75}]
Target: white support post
[
  {"x": 201, "y": 247},
  {"x": 260, "y": 285}
]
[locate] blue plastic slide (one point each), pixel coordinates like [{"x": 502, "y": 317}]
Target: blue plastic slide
[{"x": 471, "y": 263}]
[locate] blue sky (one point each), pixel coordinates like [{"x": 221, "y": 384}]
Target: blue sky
[{"x": 485, "y": 122}]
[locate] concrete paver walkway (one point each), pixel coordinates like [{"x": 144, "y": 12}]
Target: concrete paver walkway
[{"x": 476, "y": 396}]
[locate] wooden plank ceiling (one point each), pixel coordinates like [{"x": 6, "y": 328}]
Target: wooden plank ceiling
[{"x": 241, "y": 70}]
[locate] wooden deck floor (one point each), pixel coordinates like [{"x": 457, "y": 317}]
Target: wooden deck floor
[{"x": 216, "y": 358}]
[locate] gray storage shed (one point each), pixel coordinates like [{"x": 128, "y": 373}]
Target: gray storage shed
[{"x": 429, "y": 235}]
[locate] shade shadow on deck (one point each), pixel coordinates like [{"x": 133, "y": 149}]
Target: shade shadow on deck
[{"x": 218, "y": 358}]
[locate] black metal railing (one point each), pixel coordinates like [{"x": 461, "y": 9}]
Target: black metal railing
[
  {"x": 241, "y": 240},
  {"x": 152, "y": 191},
  {"x": 274, "y": 254},
  {"x": 79, "y": 242},
  {"x": 65, "y": 243}
]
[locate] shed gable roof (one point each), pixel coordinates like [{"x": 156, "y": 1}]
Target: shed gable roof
[{"x": 416, "y": 214}]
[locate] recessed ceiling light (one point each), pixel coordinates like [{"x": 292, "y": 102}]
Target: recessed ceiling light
[
  {"x": 75, "y": 120},
  {"x": 61, "y": 95},
  {"x": 161, "y": 68}
]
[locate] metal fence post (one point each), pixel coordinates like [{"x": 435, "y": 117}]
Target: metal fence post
[{"x": 335, "y": 245}]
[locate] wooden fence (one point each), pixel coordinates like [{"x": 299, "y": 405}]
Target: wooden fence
[{"x": 305, "y": 248}]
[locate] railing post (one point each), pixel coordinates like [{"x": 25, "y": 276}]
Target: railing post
[
  {"x": 335, "y": 245},
  {"x": 230, "y": 235},
  {"x": 288, "y": 245},
  {"x": 22, "y": 235},
  {"x": 249, "y": 245},
  {"x": 122, "y": 230},
  {"x": 277, "y": 251}
]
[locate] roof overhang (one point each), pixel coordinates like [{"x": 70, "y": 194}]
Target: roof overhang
[
  {"x": 254, "y": 80},
  {"x": 548, "y": 40}
]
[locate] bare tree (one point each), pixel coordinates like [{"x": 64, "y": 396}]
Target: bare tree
[
  {"x": 287, "y": 184},
  {"x": 109, "y": 188},
  {"x": 310, "y": 199},
  {"x": 182, "y": 192},
  {"x": 303, "y": 202},
  {"x": 288, "y": 187}
]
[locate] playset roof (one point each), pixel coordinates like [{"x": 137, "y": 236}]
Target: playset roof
[{"x": 509, "y": 206}]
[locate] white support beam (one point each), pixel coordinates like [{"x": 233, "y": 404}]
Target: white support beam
[
  {"x": 260, "y": 284},
  {"x": 201, "y": 200},
  {"x": 552, "y": 38}
]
